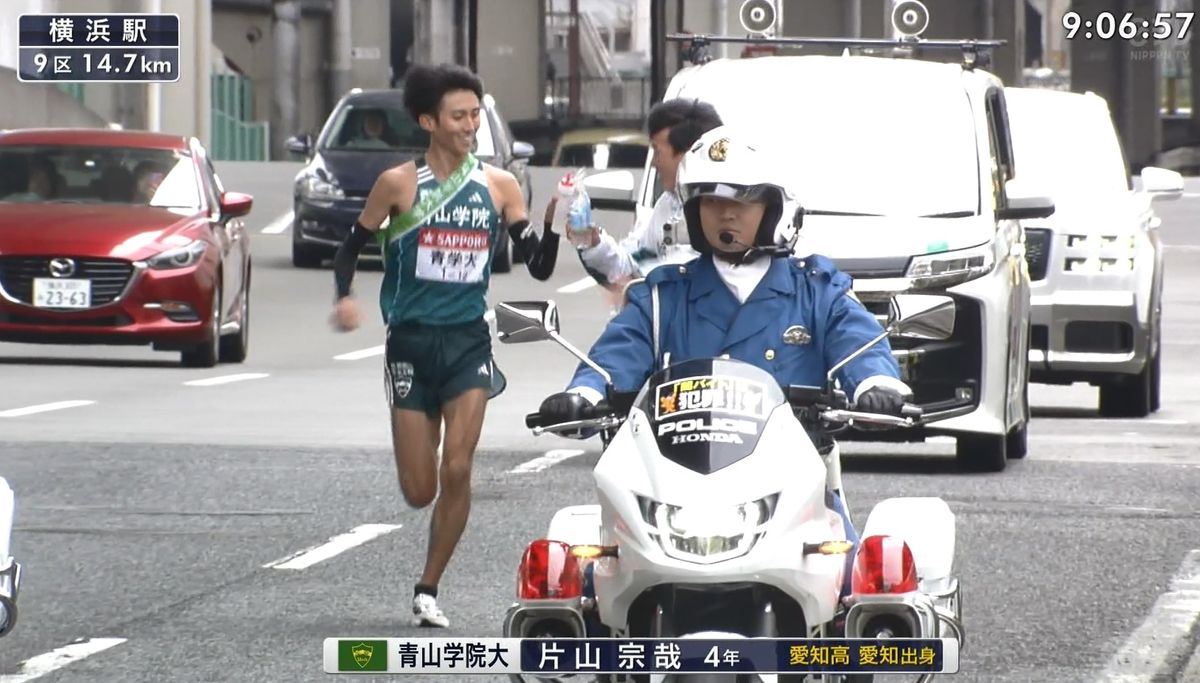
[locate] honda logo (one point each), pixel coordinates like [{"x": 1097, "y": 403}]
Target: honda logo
[{"x": 62, "y": 267}]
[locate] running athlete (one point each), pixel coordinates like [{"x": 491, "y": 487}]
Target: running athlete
[{"x": 445, "y": 214}]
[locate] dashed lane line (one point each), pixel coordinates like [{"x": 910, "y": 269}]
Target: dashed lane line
[
  {"x": 36, "y": 667},
  {"x": 280, "y": 224},
  {"x": 333, "y": 547},
  {"x": 225, "y": 379},
  {"x": 550, "y": 459},
  {"x": 1160, "y": 647},
  {"x": 43, "y": 408},
  {"x": 361, "y": 353}
]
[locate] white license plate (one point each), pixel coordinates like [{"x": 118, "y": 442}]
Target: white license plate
[{"x": 55, "y": 293}]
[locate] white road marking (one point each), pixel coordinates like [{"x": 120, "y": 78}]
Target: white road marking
[
  {"x": 334, "y": 546},
  {"x": 577, "y": 286},
  {"x": 36, "y": 667},
  {"x": 225, "y": 379},
  {"x": 280, "y": 224},
  {"x": 1163, "y": 642},
  {"x": 550, "y": 459},
  {"x": 362, "y": 353},
  {"x": 1183, "y": 247},
  {"x": 43, "y": 408}
]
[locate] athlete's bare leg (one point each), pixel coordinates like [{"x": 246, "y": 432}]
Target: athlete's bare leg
[
  {"x": 464, "y": 421},
  {"x": 415, "y": 439}
]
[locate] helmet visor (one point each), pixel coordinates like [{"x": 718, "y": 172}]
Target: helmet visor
[{"x": 739, "y": 193}]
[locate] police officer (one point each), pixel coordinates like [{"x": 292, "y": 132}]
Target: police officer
[{"x": 744, "y": 295}]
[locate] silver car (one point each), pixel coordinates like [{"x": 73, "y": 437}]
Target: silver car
[{"x": 1096, "y": 265}]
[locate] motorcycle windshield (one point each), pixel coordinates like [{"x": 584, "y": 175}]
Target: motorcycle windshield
[{"x": 709, "y": 413}]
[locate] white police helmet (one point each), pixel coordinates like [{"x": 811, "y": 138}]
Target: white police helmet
[{"x": 725, "y": 163}]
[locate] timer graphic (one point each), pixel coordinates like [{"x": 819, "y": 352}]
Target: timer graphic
[{"x": 1107, "y": 26}]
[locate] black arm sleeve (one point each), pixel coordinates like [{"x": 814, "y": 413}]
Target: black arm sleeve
[
  {"x": 540, "y": 254},
  {"x": 346, "y": 259}
]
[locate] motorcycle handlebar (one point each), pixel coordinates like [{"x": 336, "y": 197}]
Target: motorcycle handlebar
[
  {"x": 871, "y": 418},
  {"x": 602, "y": 422}
]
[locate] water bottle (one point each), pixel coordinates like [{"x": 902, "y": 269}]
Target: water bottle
[{"x": 573, "y": 210}]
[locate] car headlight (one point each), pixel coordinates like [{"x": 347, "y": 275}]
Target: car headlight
[
  {"x": 319, "y": 189},
  {"x": 951, "y": 268},
  {"x": 179, "y": 257},
  {"x": 705, "y": 533}
]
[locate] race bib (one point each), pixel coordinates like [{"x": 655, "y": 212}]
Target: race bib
[{"x": 452, "y": 255}]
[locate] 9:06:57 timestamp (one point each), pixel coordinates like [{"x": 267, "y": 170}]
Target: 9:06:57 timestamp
[{"x": 1106, "y": 25}]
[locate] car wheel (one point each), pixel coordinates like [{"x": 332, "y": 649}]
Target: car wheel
[
  {"x": 306, "y": 256},
  {"x": 205, "y": 355},
  {"x": 1129, "y": 396},
  {"x": 1156, "y": 381},
  {"x": 235, "y": 348},
  {"x": 982, "y": 452},
  {"x": 1017, "y": 445}
]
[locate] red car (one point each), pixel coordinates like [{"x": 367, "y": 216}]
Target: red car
[{"x": 121, "y": 237}]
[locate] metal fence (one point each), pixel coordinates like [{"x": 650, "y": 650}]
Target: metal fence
[
  {"x": 600, "y": 97},
  {"x": 235, "y": 135}
]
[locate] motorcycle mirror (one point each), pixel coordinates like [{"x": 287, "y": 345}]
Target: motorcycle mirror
[
  {"x": 922, "y": 316},
  {"x": 525, "y": 321},
  {"x": 518, "y": 322}
]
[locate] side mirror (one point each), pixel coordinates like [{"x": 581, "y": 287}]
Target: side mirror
[
  {"x": 522, "y": 150},
  {"x": 1022, "y": 204},
  {"x": 235, "y": 204},
  {"x": 525, "y": 321},
  {"x": 611, "y": 190},
  {"x": 1162, "y": 183},
  {"x": 298, "y": 144},
  {"x": 922, "y": 316}
]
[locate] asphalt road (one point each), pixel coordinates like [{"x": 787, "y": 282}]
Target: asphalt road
[{"x": 153, "y": 515}]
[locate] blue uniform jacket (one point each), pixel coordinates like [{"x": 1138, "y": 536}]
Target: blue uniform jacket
[{"x": 700, "y": 317}]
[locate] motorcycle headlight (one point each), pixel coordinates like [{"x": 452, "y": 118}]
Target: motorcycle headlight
[
  {"x": 708, "y": 534},
  {"x": 951, "y": 268},
  {"x": 319, "y": 189},
  {"x": 179, "y": 257}
]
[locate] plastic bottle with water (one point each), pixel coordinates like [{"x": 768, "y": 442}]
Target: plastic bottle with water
[{"x": 573, "y": 210}]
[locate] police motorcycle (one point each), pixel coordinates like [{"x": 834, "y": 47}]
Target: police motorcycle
[
  {"x": 10, "y": 570},
  {"x": 713, "y": 519}
]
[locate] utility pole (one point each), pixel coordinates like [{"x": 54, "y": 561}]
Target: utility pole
[
  {"x": 573, "y": 58},
  {"x": 285, "y": 120},
  {"x": 340, "y": 72}
]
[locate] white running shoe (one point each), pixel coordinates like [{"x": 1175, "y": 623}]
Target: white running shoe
[{"x": 426, "y": 612}]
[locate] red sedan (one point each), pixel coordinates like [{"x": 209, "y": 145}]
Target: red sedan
[{"x": 121, "y": 237}]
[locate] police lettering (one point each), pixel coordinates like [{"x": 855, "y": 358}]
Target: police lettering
[{"x": 709, "y": 424}]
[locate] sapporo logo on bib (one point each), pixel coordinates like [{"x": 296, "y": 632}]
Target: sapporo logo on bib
[{"x": 452, "y": 255}]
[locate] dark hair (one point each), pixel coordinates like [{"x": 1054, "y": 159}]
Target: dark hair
[
  {"x": 426, "y": 85},
  {"x": 688, "y": 119}
]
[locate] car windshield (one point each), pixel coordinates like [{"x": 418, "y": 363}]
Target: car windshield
[
  {"x": 1072, "y": 156},
  {"x": 603, "y": 156},
  {"x": 108, "y": 175},
  {"x": 874, "y": 149},
  {"x": 383, "y": 128}
]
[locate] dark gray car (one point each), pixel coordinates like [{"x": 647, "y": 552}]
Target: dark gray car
[{"x": 368, "y": 132}]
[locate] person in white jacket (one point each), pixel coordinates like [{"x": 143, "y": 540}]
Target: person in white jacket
[{"x": 661, "y": 237}]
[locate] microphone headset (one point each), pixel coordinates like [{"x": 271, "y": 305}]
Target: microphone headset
[{"x": 773, "y": 251}]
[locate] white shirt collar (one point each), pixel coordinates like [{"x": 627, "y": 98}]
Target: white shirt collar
[{"x": 742, "y": 279}]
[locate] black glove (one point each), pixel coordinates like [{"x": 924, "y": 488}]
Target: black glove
[
  {"x": 564, "y": 407},
  {"x": 881, "y": 400}
]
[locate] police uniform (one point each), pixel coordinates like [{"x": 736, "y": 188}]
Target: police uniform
[
  {"x": 434, "y": 296},
  {"x": 798, "y": 322}
]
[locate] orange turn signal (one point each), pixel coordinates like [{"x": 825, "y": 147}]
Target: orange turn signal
[
  {"x": 591, "y": 552},
  {"x": 828, "y": 548}
]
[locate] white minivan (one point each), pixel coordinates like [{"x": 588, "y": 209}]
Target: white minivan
[{"x": 906, "y": 170}]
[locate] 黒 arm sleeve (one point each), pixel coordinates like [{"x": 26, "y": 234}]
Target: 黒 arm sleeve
[
  {"x": 346, "y": 259},
  {"x": 539, "y": 253}
]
